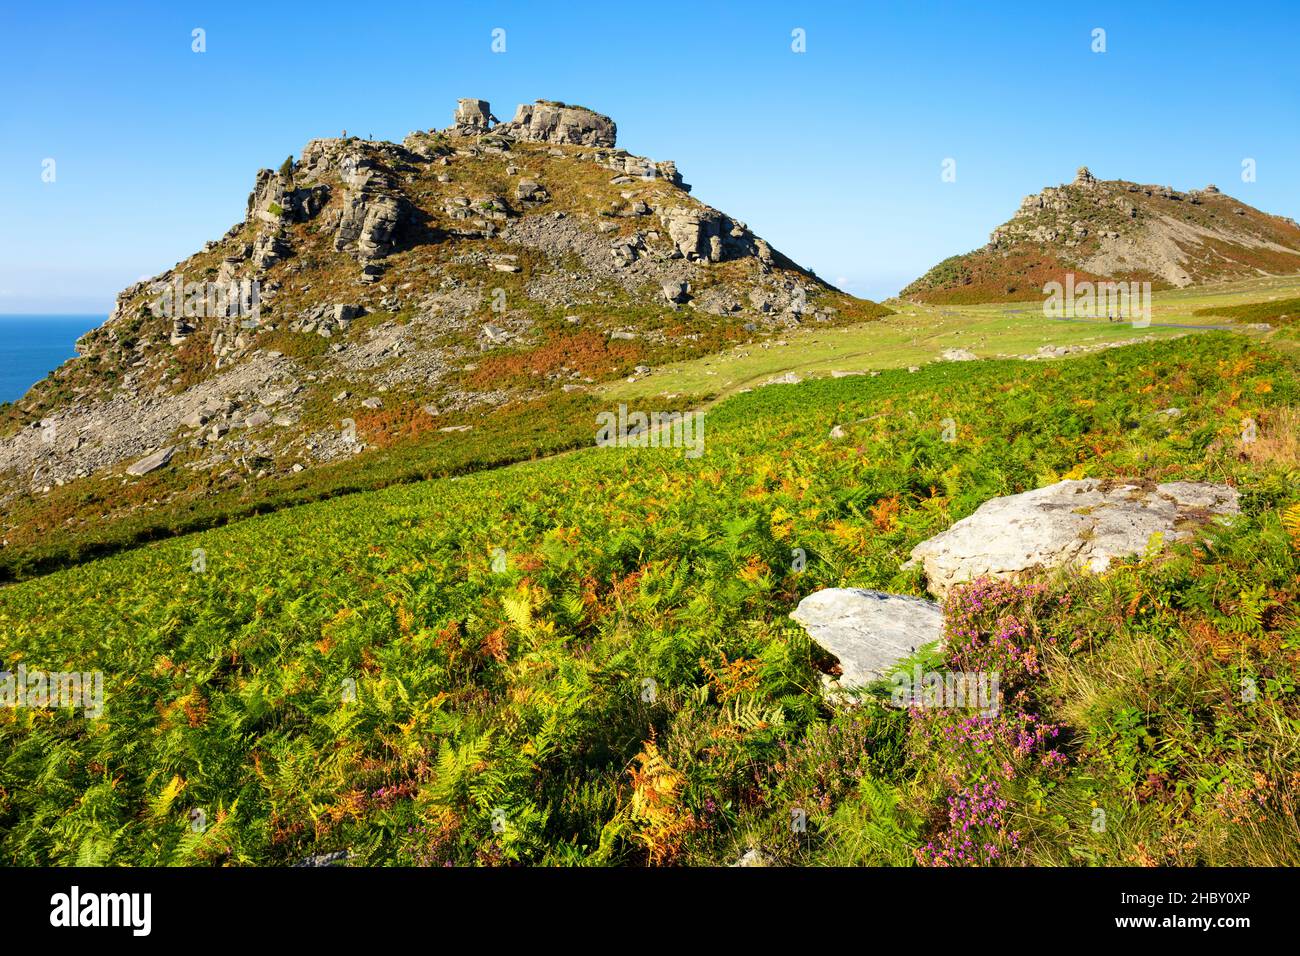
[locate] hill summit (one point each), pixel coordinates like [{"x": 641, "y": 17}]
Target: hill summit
[
  {"x": 1114, "y": 229},
  {"x": 407, "y": 289}
]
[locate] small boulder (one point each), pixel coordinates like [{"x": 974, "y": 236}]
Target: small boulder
[
  {"x": 674, "y": 291},
  {"x": 789, "y": 378},
  {"x": 151, "y": 462},
  {"x": 868, "y": 631},
  {"x": 493, "y": 334},
  {"x": 527, "y": 190}
]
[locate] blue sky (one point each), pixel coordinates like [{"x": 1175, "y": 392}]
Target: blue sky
[{"x": 834, "y": 155}]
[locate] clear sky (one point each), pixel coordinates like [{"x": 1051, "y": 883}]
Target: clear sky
[{"x": 834, "y": 154}]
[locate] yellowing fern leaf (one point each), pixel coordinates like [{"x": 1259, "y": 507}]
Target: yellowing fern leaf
[
  {"x": 519, "y": 609},
  {"x": 161, "y": 804},
  {"x": 1291, "y": 522}
]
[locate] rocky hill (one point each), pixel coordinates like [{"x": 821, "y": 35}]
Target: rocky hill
[
  {"x": 377, "y": 293},
  {"x": 1113, "y": 229}
]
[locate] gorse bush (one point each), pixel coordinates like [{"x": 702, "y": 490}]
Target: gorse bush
[{"x": 366, "y": 675}]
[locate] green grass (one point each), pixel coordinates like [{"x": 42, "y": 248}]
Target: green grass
[
  {"x": 1275, "y": 310},
  {"x": 68, "y": 533},
  {"x": 917, "y": 333},
  {"x": 630, "y": 690}
]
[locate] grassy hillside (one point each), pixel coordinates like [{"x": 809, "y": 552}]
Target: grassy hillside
[
  {"x": 78, "y": 522},
  {"x": 87, "y": 519},
  {"x": 104, "y": 513},
  {"x": 1283, "y": 311},
  {"x": 986, "y": 275},
  {"x": 510, "y": 279},
  {"x": 620, "y": 682}
]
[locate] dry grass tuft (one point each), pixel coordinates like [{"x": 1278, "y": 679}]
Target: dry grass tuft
[{"x": 1277, "y": 440}]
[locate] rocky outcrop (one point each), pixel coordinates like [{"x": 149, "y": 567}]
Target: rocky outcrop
[
  {"x": 270, "y": 248},
  {"x": 275, "y": 201},
  {"x": 1085, "y": 523},
  {"x": 701, "y": 232},
  {"x": 639, "y": 167},
  {"x": 472, "y": 117},
  {"x": 868, "y": 631},
  {"x": 372, "y": 209},
  {"x": 237, "y": 392},
  {"x": 526, "y": 190},
  {"x": 546, "y": 121}
]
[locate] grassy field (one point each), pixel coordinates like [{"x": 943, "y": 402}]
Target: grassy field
[
  {"x": 588, "y": 659},
  {"x": 1275, "y": 310},
  {"x": 918, "y": 333}
]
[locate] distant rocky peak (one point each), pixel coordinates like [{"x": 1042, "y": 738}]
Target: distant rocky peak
[{"x": 1114, "y": 228}]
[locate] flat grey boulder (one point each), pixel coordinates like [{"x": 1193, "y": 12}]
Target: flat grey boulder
[
  {"x": 151, "y": 462},
  {"x": 1073, "y": 523},
  {"x": 868, "y": 631}
]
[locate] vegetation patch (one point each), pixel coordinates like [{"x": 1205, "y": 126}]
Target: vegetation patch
[
  {"x": 588, "y": 660},
  {"x": 1280, "y": 311}
]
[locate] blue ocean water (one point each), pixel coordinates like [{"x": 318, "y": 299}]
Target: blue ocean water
[{"x": 33, "y": 346}]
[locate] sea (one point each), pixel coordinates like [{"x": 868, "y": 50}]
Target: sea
[{"x": 33, "y": 346}]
